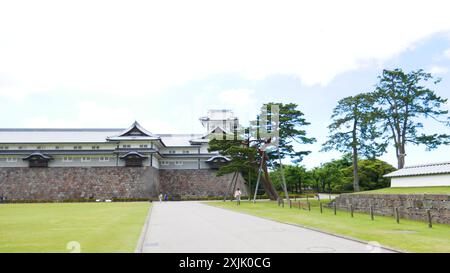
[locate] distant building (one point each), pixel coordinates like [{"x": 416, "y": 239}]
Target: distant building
[
  {"x": 131, "y": 147},
  {"x": 426, "y": 175},
  {"x": 61, "y": 164}
]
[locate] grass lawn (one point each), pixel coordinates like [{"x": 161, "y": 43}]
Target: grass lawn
[
  {"x": 412, "y": 190},
  {"x": 98, "y": 227},
  {"x": 410, "y": 236}
]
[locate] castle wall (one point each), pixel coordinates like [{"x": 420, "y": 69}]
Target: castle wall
[
  {"x": 78, "y": 183},
  {"x": 75, "y": 183},
  {"x": 191, "y": 183}
]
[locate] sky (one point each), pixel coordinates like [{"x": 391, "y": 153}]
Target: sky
[{"x": 165, "y": 63}]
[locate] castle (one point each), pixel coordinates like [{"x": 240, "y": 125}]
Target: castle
[{"x": 132, "y": 163}]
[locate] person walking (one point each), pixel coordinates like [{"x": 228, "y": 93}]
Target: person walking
[
  {"x": 160, "y": 197},
  {"x": 237, "y": 196}
]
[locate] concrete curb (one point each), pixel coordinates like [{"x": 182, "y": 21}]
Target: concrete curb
[
  {"x": 309, "y": 228},
  {"x": 143, "y": 236}
]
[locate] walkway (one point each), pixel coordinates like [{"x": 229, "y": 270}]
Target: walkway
[{"x": 185, "y": 227}]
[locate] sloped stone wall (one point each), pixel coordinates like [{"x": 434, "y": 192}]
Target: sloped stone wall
[
  {"x": 202, "y": 183},
  {"x": 74, "y": 183},
  {"x": 410, "y": 206}
]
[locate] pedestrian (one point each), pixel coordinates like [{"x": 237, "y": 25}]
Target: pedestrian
[
  {"x": 166, "y": 197},
  {"x": 237, "y": 196},
  {"x": 160, "y": 197}
]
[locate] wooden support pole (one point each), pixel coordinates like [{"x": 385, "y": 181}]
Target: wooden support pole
[
  {"x": 334, "y": 207},
  {"x": 351, "y": 210},
  {"x": 259, "y": 178},
  {"x": 430, "y": 220},
  {"x": 309, "y": 206},
  {"x": 371, "y": 213},
  {"x": 397, "y": 216},
  {"x": 321, "y": 207}
]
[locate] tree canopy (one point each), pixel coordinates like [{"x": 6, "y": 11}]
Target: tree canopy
[{"x": 402, "y": 100}]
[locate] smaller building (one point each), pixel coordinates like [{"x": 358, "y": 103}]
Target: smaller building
[{"x": 426, "y": 175}]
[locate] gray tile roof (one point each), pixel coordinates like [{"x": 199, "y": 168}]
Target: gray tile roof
[
  {"x": 94, "y": 135},
  {"x": 56, "y": 135},
  {"x": 424, "y": 169},
  {"x": 180, "y": 140}
]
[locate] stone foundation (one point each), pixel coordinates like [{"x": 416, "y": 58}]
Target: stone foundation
[
  {"x": 76, "y": 183},
  {"x": 81, "y": 183},
  {"x": 410, "y": 206},
  {"x": 191, "y": 183}
]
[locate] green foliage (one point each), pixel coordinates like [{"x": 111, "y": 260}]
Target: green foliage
[
  {"x": 296, "y": 178},
  {"x": 335, "y": 176},
  {"x": 402, "y": 100},
  {"x": 291, "y": 131},
  {"x": 354, "y": 127},
  {"x": 372, "y": 172}
]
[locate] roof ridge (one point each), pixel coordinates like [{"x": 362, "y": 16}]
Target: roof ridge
[
  {"x": 57, "y": 129},
  {"x": 427, "y": 165}
]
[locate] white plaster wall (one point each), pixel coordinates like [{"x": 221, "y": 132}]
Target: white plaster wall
[{"x": 421, "y": 181}]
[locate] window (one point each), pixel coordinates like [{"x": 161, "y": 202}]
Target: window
[
  {"x": 143, "y": 146},
  {"x": 67, "y": 159},
  {"x": 178, "y": 163},
  {"x": 56, "y": 147},
  {"x": 103, "y": 158},
  {"x": 77, "y": 147},
  {"x": 20, "y": 147},
  {"x": 11, "y": 159},
  {"x": 186, "y": 152},
  {"x": 126, "y": 146},
  {"x": 95, "y": 147},
  {"x": 165, "y": 163},
  {"x": 85, "y": 159},
  {"x": 172, "y": 152}
]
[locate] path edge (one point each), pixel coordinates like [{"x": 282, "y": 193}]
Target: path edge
[
  {"x": 143, "y": 236},
  {"x": 311, "y": 228}
]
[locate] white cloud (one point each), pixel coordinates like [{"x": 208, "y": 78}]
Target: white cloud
[
  {"x": 238, "y": 97},
  {"x": 242, "y": 100},
  {"x": 142, "y": 47},
  {"x": 439, "y": 70},
  {"x": 88, "y": 114},
  {"x": 447, "y": 53}
]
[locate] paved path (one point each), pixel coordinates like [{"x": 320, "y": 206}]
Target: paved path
[{"x": 199, "y": 228}]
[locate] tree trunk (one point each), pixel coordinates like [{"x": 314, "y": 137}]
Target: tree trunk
[
  {"x": 268, "y": 186},
  {"x": 401, "y": 156},
  {"x": 355, "y": 157},
  {"x": 355, "y": 170}
]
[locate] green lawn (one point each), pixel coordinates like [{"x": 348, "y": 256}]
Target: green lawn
[
  {"x": 410, "y": 236},
  {"x": 98, "y": 227},
  {"x": 417, "y": 190}
]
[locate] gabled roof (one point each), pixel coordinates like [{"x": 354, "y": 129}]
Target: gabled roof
[
  {"x": 43, "y": 156},
  {"x": 218, "y": 157},
  {"x": 134, "y": 132},
  {"x": 424, "y": 169},
  {"x": 133, "y": 154}
]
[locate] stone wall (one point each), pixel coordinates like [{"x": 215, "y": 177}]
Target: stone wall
[
  {"x": 73, "y": 183},
  {"x": 410, "y": 206},
  {"x": 76, "y": 183},
  {"x": 191, "y": 183}
]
